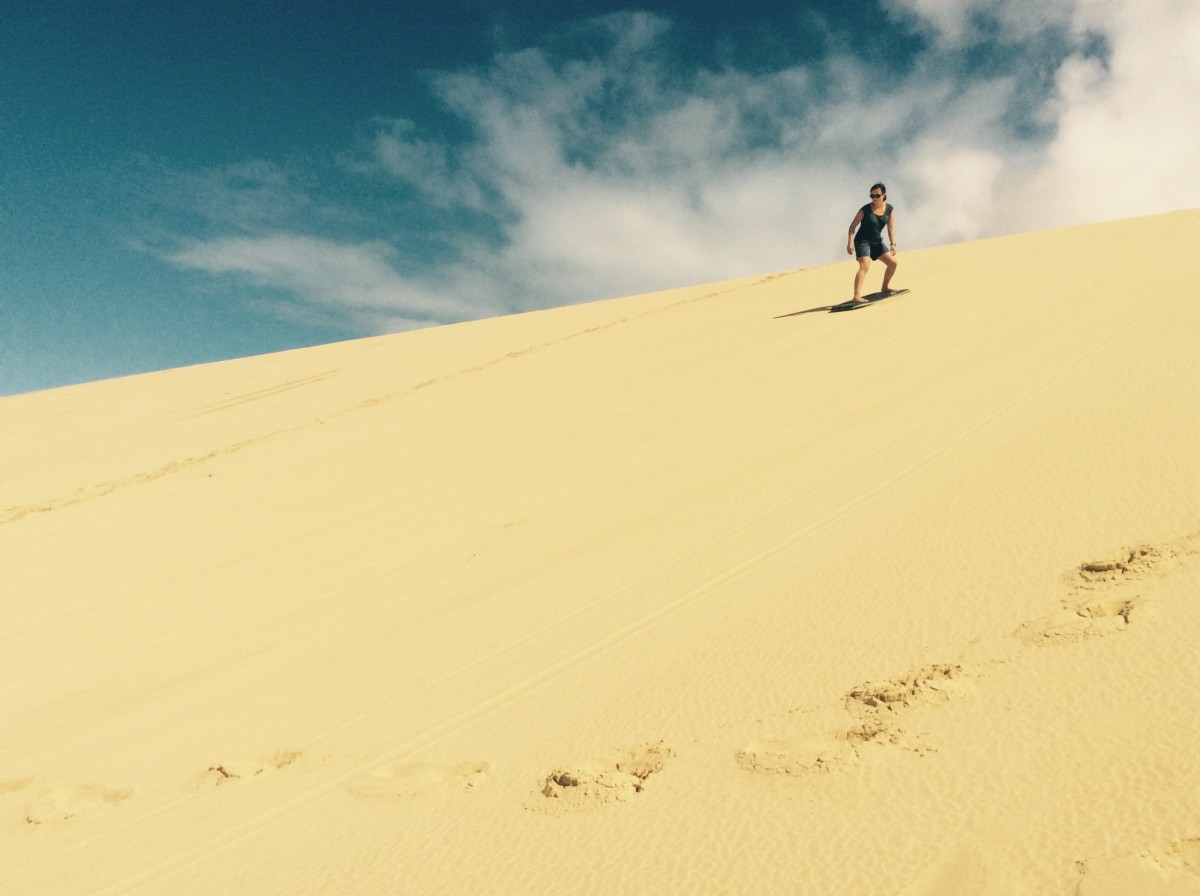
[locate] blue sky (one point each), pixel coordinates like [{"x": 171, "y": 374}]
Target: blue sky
[{"x": 186, "y": 185}]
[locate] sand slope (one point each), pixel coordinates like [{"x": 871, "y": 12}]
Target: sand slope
[{"x": 683, "y": 593}]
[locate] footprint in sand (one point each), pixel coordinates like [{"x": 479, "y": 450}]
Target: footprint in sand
[
  {"x": 1089, "y": 619},
  {"x": 1173, "y": 870},
  {"x": 610, "y": 779},
  {"x": 931, "y": 684},
  {"x": 232, "y": 771},
  {"x": 813, "y": 753},
  {"x": 1103, "y": 598},
  {"x": 877, "y": 706},
  {"x": 61, "y": 805},
  {"x": 1128, "y": 565},
  {"x": 418, "y": 779}
]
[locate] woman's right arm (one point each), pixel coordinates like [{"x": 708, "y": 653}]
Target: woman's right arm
[{"x": 850, "y": 236}]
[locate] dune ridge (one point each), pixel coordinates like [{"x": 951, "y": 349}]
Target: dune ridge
[{"x": 703, "y": 591}]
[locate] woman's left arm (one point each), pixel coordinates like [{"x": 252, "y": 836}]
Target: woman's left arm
[{"x": 892, "y": 231}]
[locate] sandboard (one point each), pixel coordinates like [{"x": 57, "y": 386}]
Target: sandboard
[{"x": 871, "y": 299}]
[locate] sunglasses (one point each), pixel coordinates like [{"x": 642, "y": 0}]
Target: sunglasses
[{"x": 875, "y": 195}]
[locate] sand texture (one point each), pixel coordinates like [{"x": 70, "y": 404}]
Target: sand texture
[{"x": 708, "y": 591}]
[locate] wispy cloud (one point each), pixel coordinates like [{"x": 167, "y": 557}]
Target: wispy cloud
[
  {"x": 614, "y": 169},
  {"x": 970, "y": 22},
  {"x": 359, "y": 281}
]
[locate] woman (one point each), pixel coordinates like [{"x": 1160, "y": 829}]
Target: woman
[{"x": 867, "y": 244}]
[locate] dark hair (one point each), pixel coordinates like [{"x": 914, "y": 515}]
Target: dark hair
[{"x": 880, "y": 187}]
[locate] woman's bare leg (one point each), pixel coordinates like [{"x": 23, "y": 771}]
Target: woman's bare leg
[
  {"x": 864, "y": 264},
  {"x": 889, "y": 261}
]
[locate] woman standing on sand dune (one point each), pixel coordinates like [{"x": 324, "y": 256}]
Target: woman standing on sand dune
[{"x": 867, "y": 244}]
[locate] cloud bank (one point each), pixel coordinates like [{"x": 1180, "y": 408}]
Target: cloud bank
[{"x": 603, "y": 166}]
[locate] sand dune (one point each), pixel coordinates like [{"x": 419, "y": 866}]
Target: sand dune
[{"x": 706, "y": 591}]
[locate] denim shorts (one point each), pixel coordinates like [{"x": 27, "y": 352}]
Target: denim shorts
[{"x": 863, "y": 249}]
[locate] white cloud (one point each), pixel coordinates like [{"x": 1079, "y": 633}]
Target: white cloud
[
  {"x": 957, "y": 185},
  {"x": 958, "y": 23},
  {"x": 1126, "y": 137},
  {"x": 618, "y": 172},
  {"x": 355, "y": 280},
  {"x": 427, "y": 165}
]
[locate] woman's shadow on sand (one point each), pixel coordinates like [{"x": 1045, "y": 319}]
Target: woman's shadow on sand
[{"x": 843, "y": 306}]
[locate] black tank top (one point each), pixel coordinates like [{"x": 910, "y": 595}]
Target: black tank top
[{"x": 872, "y": 226}]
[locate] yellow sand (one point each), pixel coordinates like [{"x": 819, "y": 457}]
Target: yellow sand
[{"x": 681, "y": 593}]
